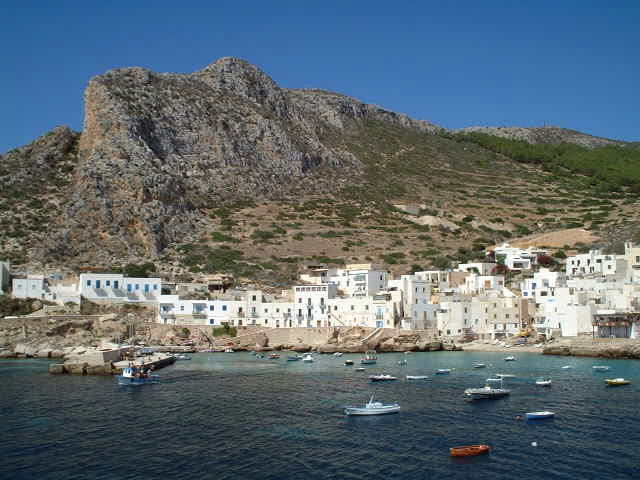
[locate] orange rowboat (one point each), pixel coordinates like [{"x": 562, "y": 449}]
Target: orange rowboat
[{"x": 469, "y": 450}]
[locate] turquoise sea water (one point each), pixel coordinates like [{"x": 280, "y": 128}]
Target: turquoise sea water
[{"x": 224, "y": 416}]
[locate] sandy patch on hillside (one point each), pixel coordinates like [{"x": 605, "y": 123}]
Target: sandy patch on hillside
[{"x": 556, "y": 239}]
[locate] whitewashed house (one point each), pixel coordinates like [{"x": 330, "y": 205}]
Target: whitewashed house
[{"x": 115, "y": 287}]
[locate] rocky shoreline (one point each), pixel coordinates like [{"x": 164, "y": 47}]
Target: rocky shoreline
[{"x": 600, "y": 348}]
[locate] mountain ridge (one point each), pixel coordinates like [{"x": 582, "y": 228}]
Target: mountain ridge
[{"x": 163, "y": 155}]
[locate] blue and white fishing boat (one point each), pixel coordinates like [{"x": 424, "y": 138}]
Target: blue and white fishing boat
[
  {"x": 538, "y": 415},
  {"x": 134, "y": 377},
  {"x": 372, "y": 408}
]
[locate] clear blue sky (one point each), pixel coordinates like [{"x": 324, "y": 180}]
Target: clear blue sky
[{"x": 574, "y": 64}]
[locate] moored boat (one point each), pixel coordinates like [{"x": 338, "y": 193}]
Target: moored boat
[
  {"x": 402, "y": 362},
  {"x": 182, "y": 356},
  {"x": 294, "y": 358},
  {"x": 538, "y": 415},
  {"x": 369, "y": 358},
  {"x": 479, "y": 365},
  {"x": 348, "y": 363},
  {"x": 601, "y": 368},
  {"x": 134, "y": 376},
  {"x": 505, "y": 375},
  {"x": 470, "y": 450},
  {"x": 360, "y": 369},
  {"x": 510, "y": 358},
  {"x": 274, "y": 356},
  {"x": 486, "y": 392},
  {"x": 541, "y": 382},
  {"x": 567, "y": 367},
  {"x": 417, "y": 377},
  {"x": 307, "y": 358},
  {"x": 337, "y": 354},
  {"x": 443, "y": 371},
  {"x": 383, "y": 377},
  {"x": 616, "y": 382},
  {"x": 372, "y": 408}
]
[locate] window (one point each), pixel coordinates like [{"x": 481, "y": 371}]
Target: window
[
  {"x": 299, "y": 300},
  {"x": 211, "y": 308},
  {"x": 211, "y": 322},
  {"x": 88, "y": 283},
  {"x": 115, "y": 284},
  {"x": 97, "y": 283},
  {"x": 253, "y": 298},
  {"x": 137, "y": 286},
  {"x": 352, "y": 307},
  {"x": 366, "y": 307},
  {"x": 129, "y": 287},
  {"x": 155, "y": 286},
  {"x": 182, "y": 308},
  {"x": 107, "y": 283}
]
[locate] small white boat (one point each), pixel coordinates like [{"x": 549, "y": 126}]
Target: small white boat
[
  {"x": 360, "y": 369},
  {"x": 307, "y": 358},
  {"x": 567, "y": 367},
  {"x": 337, "y": 354},
  {"x": 372, "y": 408},
  {"x": 479, "y": 365},
  {"x": 510, "y": 358},
  {"x": 538, "y": 415},
  {"x": 601, "y": 368},
  {"x": 228, "y": 350},
  {"x": 383, "y": 377},
  {"x": 541, "y": 382},
  {"x": 505, "y": 375},
  {"x": 402, "y": 362},
  {"x": 443, "y": 371},
  {"x": 417, "y": 377}
]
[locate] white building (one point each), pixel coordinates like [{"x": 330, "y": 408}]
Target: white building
[
  {"x": 310, "y": 304},
  {"x": 115, "y": 287},
  {"x": 34, "y": 286},
  {"x": 517, "y": 258},
  {"x": 481, "y": 268},
  {"x": 592, "y": 263}
]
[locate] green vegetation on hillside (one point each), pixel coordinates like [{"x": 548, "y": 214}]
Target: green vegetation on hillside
[{"x": 611, "y": 168}]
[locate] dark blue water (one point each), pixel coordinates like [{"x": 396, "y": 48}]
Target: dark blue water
[{"x": 233, "y": 416}]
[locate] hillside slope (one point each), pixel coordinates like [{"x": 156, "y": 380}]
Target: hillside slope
[{"x": 221, "y": 169}]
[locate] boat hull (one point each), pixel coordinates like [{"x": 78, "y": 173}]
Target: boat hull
[
  {"x": 539, "y": 415},
  {"x": 395, "y": 408},
  {"x": 134, "y": 382},
  {"x": 469, "y": 451}
]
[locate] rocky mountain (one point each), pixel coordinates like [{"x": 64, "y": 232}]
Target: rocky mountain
[{"x": 189, "y": 165}]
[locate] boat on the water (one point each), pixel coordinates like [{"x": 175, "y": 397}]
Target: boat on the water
[
  {"x": 360, "y": 369},
  {"x": 567, "y": 367},
  {"x": 337, "y": 354},
  {"x": 383, "y": 377},
  {"x": 307, "y": 358},
  {"x": 469, "y": 450},
  {"x": 274, "y": 356},
  {"x": 417, "y": 377},
  {"x": 479, "y": 365},
  {"x": 134, "y": 376},
  {"x": 510, "y": 358},
  {"x": 372, "y": 408},
  {"x": 294, "y": 358},
  {"x": 348, "y": 363},
  {"x": 486, "y": 392},
  {"x": 541, "y": 382},
  {"x": 402, "y": 362},
  {"x": 616, "y": 382},
  {"x": 369, "y": 358},
  {"x": 601, "y": 368},
  {"x": 538, "y": 415},
  {"x": 505, "y": 375},
  {"x": 443, "y": 371},
  {"x": 182, "y": 356}
]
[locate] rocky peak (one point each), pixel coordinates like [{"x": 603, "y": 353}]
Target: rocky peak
[{"x": 239, "y": 77}]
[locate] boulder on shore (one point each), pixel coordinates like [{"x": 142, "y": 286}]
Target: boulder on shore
[{"x": 56, "y": 368}]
